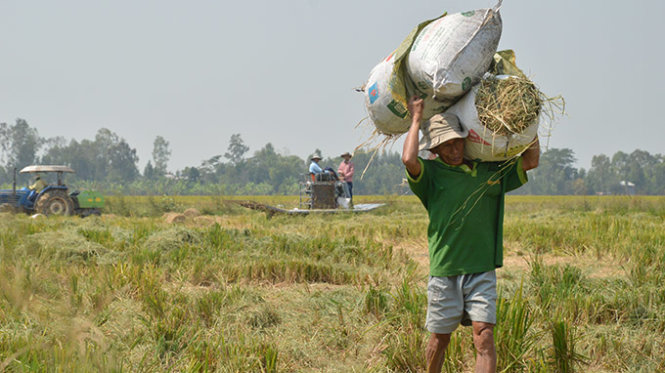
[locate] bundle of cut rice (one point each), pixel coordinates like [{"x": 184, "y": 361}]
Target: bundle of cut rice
[
  {"x": 508, "y": 105},
  {"x": 502, "y": 115}
]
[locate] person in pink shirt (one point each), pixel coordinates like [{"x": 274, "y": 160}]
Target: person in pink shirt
[{"x": 345, "y": 171}]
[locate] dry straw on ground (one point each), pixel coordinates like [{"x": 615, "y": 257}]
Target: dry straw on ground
[
  {"x": 174, "y": 217},
  {"x": 508, "y": 106},
  {"x": 192, "y": 212},
  {"x": 205, "y": 221}
]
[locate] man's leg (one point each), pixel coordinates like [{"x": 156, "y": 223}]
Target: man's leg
[
  {"x": 445, "y": 306},
  {"x": 436, "y": 349},
  {"x": 483, "y": 339},
  {"x": 480, "y": 312}
]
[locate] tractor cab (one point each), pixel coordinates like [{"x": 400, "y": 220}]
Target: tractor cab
[
  {"x": 44, "y": 187},
  {"x": 49, "y": 195}
]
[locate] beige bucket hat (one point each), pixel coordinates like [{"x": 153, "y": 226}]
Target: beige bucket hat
[{"x": 439, "y": 129}]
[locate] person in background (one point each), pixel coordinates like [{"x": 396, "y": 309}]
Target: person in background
[
  {"x": 345, "y": 171},
  {"x": 321, "y": 174},
  {"x": 38, "y": 185},
  {"x": 464, "y": 201},
  {"x": 314, "y": 167}
]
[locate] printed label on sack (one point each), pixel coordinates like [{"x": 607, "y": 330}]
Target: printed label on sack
[
  {"x": 373, "y": 92},
  {"x": 398, "y": 109},
  {"x": 474, "y": 137}
]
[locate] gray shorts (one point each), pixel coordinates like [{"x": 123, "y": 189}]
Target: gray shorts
[{"x": 460, "y": 299}]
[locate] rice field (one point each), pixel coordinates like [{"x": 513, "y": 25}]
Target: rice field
[{"x": 232, "y": 290}]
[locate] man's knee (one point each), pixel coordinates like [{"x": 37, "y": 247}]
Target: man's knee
[
  {"x": 438, "y": 341},
  {"x": 483, "y": 337}
]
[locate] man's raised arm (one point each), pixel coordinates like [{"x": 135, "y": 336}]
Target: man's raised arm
[{"x": 410, "y": 150}]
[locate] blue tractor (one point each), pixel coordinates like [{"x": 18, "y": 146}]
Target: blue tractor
[{"x": 50, "y": 199}]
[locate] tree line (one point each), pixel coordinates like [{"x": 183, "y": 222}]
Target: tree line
[
  {"x": 638, "y": 172},
  {"x": 109, "y": 164}
]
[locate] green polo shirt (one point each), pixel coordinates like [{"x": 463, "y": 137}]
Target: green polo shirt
[{"x": 465, "y": 208}]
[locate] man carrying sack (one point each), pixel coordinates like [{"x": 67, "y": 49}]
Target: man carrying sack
[{"x": 464, "y": 201}]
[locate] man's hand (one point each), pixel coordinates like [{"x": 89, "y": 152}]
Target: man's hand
[
  {"x": 416, "y": 106},
  {"x": 531, "y": 156}
]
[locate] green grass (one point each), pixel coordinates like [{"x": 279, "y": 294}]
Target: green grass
[{"x": 235, "y": 291}]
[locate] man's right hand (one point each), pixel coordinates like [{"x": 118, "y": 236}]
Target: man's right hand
[{"x": 416, "y": 106}]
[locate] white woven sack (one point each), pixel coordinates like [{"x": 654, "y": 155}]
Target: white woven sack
[
  {"x": 451, "y": 54},
  {"x": 388, "y": 115},
  {"x": 482, "y": 144}
]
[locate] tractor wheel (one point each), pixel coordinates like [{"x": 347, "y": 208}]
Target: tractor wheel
[{"x": 56, "y": 202}]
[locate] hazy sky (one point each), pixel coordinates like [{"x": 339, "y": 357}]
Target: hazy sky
[{"x": 196, "y": 72}]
